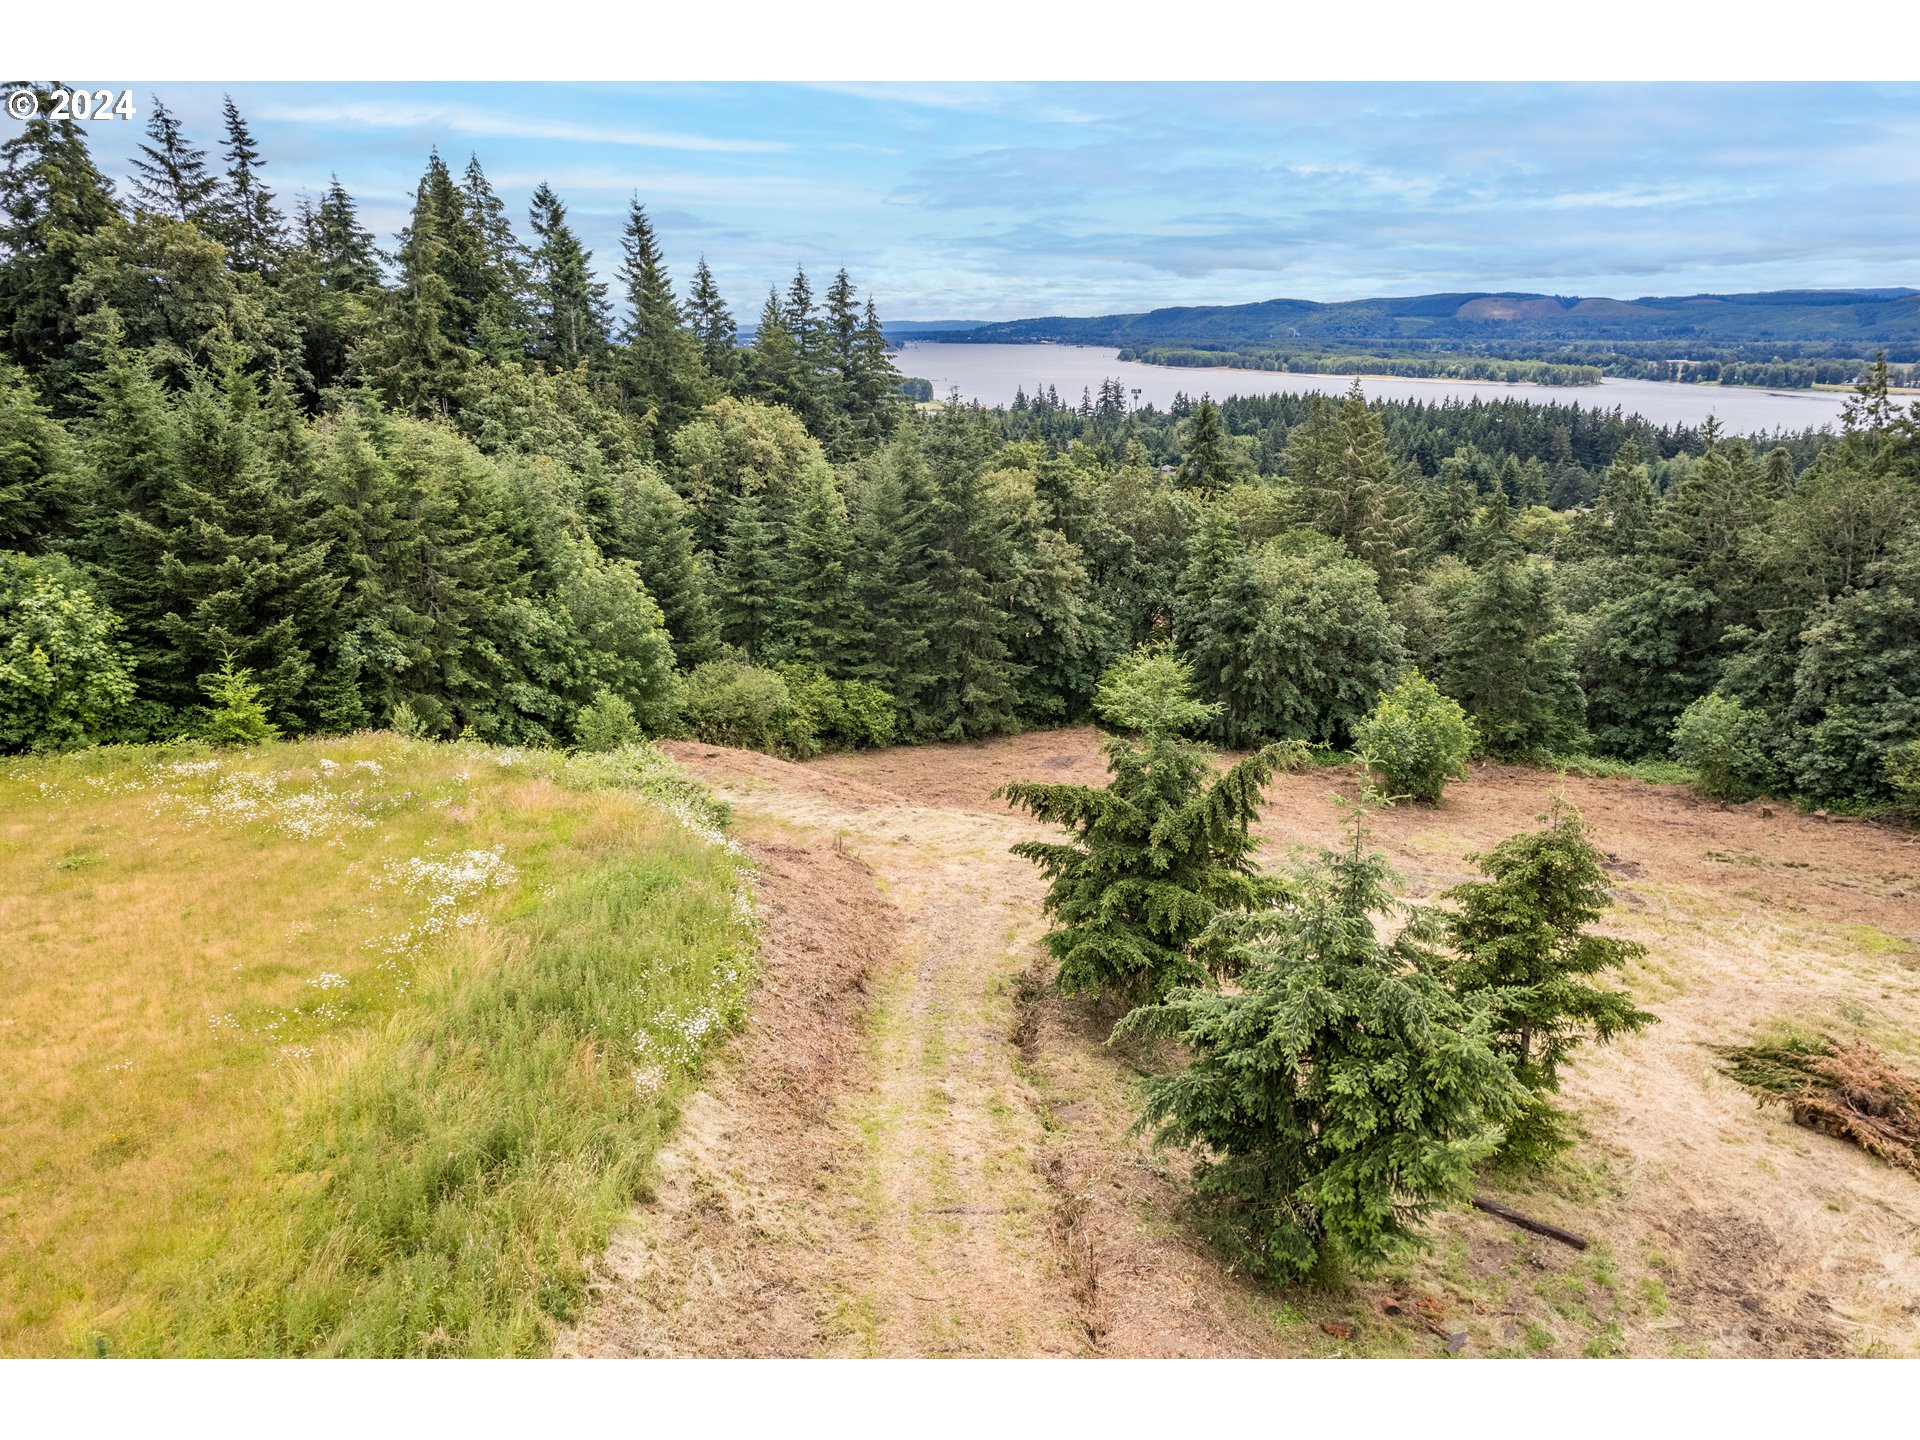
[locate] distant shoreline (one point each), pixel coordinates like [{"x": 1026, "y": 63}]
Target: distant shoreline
[{"x": 1818, "y": 389}]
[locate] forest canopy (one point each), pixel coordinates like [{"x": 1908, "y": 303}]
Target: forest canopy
[{"x": 456, "y": 478}]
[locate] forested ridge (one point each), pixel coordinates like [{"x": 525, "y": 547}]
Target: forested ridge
[{"x": 450, "y": 481}]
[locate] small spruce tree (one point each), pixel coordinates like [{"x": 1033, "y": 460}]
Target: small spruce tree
[
  {"x": 1520, "y": 939},
  {"x": 1159, "y": 852},
  {"x": 237, "y": 716},
  {"x": 1341, "y": 1091}
]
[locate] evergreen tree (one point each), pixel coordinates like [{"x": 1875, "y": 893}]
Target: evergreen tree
[
  {"x": 1341, "y": 1092},
  {"x": 1347, "y": 485},
  {"x": 343, "y": 250},
  {"x": 1521, "y": 938},
  {"x": 649, "y": 525},
  {"x": 1511, "y": 662},
  {"x": 660, "y": 367},
  {"x": 1159, "y": 852},
  {"x": 1210, "y": 462},
  {"x": 170, "y": 173},
  {"x": 424, "y": 352},
  {"x": 712, "y": 325},
  {"x": 242, "y": 575},
  {"x": 42, "y": 483},
  {"x": 571, "y": 316},
  {"x": 975, "y": 681},
  {"x": 498, "y": 280},
  {"x": 815, "y": 622},
  {"x": 51, "y": 197},
  {"x": 1622, "y": 519},
  {"x": 875, "y": 404},
  {"x": 243, "y": 217},
  {"x": 776, "y": 371},
  {"x": 236, "y": 716},
  {"x": 749, "y": 579},
  {"x": 890, "y": 615}
]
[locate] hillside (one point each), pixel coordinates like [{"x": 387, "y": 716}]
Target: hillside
[
  {"x": 1830, "y": 317},
  {"x": 918, "y": 1148},
  {"x": 350, "y": 1046}
]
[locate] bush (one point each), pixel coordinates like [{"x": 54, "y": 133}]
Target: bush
[
  {"x": 64, "y": 678},
  {"x": 729, "y": 702},
  {"x": 1902, "y": 768},
  {"x": 840, "y": 714},
  {"x": 1721, "y": 740},
  {"x": 606, "y": 724},
  {"x": 1416, "y": 740},
  {"x": 237, "y": 717}
]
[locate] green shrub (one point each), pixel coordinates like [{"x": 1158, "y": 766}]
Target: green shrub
[
  {"x": 1902, "y": 767},
  {"x": 237, "y": 717},
  {"x": 606, "y": 724},
  {"x": 841, "y": 714},
  {"x": 64, "y": 678},
  {"x": 729, "y": 702},
  {"x": 1416, "y": 740},
  {"x": 1722, "y": 741}
]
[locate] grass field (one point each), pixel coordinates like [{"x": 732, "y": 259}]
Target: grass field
[{"x": 347, "y": 1046}]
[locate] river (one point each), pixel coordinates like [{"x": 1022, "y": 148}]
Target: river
[{"x": 991, "y": 374}]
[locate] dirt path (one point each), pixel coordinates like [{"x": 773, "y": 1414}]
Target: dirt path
[
  {"x": 960, "y": 1182},
  {"x": 916, "y": 1151}
]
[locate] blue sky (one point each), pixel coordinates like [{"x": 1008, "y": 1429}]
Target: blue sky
[{"x": 1005, "y": 200}]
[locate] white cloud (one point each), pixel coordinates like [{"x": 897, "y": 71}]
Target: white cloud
[{"x": 464, "y": 120}]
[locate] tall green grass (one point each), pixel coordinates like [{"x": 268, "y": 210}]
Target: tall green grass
[{"x": 445, "y": 1180}]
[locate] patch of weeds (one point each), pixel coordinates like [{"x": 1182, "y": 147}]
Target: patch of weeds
[
  {"x": 1656, "y": 1295},
  {"x": 1609, "y": 1344},
  {"x": 1537, "y": 1338},
  {"x": 1602, "y": 1257},
  {"x": 1875, "y": 941},
  {"x": 76, "y": 859}
]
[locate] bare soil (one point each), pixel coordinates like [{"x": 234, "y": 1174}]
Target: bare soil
[{"x": 916, "y": 1149}]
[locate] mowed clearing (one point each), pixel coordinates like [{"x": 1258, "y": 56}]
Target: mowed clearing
[{"x": 915, "y": 1149}]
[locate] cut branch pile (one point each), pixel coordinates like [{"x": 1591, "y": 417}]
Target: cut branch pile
[{"x": 1847, "y": 1091}]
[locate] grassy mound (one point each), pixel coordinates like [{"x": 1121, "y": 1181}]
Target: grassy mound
[{"x": 353, "y": 1046}]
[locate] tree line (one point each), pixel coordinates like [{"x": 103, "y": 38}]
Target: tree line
[{"x": 457, "y": 485}]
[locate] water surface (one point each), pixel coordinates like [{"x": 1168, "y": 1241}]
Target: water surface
[{"x": 991, "y": 374}]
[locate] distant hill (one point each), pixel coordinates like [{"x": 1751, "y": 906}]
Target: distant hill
[{"x": 1827, "y": 317}]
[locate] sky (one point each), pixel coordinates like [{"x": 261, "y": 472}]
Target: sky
[{"x": 998, "y": 201}]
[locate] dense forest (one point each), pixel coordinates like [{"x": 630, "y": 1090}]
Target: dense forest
[{"x": 449, "y": 483}]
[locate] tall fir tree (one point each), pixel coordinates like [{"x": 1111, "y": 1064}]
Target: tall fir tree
[
  {"x": 749, "y": 579},
  {"x": 712, "y": 325},
  {"x": 660, "y": 366},
  {"x": 170, "y": 172},
  {"x": 243, "y": 217},
  {"x": 52, "y": 197},
  {"x": 774, "y": 366},
  {"x": 571, "y": 316},
  {"x": 815, "y": 620}
]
